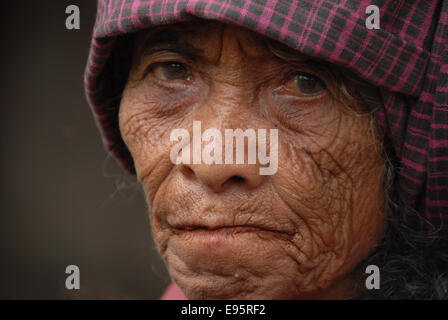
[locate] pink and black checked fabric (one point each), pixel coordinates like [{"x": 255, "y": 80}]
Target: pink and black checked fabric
[{"x": 406, "y": 61}]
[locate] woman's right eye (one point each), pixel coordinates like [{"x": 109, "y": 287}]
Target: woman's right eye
[{"x": 170, "y": 71}]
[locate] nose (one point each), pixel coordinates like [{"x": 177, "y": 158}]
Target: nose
[{"x": 222, "y": 177}]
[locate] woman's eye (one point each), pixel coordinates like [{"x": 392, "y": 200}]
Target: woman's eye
[
  {"x": 306, "y": 83},
  {"x": 170, "y": 71}
]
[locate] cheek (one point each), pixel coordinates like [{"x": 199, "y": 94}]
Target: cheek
[
  {"x": 306, "y": 120},
  {"x": 334, "y": 186},
  {"x": 146, "y": 132}
]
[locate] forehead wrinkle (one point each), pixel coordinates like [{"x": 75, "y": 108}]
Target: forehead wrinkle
[
  {"x": 165, "y": 38},
  {"x": 238, "y": 44},
  {"x": 203, "y": 39},
  {"x": 208, "y": 39},
  {"x": 197, "y": 39}
]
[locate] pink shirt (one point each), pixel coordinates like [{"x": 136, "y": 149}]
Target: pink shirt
[{"x": 173, "y": 292}]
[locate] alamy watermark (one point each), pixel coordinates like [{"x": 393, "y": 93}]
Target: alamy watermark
[
  {"x": 194, "y": 151},
  {"x": 73, "y": 20},
  {"x": 373, "y": 280},
  {"x": 72, "y": 282},
  {"x": 373, "y": 20}
]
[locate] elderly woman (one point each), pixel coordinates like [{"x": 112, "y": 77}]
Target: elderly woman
[{"x": 348, "y": 122}]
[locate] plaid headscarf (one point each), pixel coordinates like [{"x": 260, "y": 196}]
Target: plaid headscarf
[{"x": 405, "y": 61}]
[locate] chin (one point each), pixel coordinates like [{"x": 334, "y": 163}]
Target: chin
[{"x": 244, "y": 265}]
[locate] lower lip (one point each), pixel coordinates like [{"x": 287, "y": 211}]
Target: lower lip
[{"x": 226, "y": 234}]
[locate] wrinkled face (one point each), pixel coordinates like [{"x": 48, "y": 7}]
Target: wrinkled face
[{"x": 225, "y": 230}]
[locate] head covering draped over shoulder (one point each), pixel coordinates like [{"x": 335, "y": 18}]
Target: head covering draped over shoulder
[{"x": 405, "y": 61}]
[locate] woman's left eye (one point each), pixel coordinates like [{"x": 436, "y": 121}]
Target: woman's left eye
[
  {"x": 306, "y": 83},
  {"x": 170, "y": 71}
]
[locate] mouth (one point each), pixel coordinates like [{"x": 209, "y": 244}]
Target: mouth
[
  {"x": 224, "y": 240},
  {"x": 228, "y": 230}
]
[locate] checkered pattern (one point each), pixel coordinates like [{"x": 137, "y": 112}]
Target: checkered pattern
[{"x": 406, "y": 61}]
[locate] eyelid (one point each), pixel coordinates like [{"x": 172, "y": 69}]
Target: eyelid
[
  {"x": 177, "y": 83},
  {"x": 158, "y": 63},
  {"x": 290, "y": 74},
  {"x": 163, "y": 56},
  {"x": 166, "y": 55},
  {"x": 294, "y": 72}
]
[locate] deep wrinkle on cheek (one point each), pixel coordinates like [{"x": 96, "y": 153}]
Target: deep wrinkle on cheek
[
  {"x": 147, "y": 138},
  {"x": 341, "y": 164}
]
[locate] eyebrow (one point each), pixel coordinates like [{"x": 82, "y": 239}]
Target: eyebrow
[
  {"x": 168, "y": 38},
  {"x": 163, "y": 40}
]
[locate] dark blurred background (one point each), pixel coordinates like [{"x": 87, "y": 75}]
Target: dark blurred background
[{"x": 63, "y": 201}]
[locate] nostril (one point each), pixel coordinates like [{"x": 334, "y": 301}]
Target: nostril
[{"x": 234, "y": 180}]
